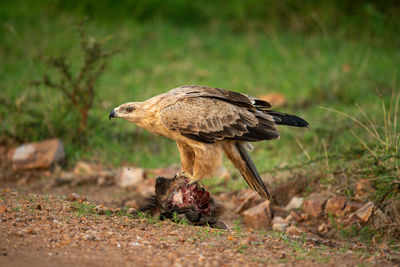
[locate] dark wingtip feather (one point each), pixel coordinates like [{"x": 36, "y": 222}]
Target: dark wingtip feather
[{"x": 287, "y": 119}]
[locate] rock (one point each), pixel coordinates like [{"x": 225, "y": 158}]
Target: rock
[
  {"x": 335, "y": 205},
  {"x": 280, "y": 227},
  {"x": 380, "y": 220},
  {"x": 259, "y": 216},
  {"x": 279, "y": 211},
  {"x": 38, "y": 155},
  {"x": 294, "y": 203},
  {"x": 86, "y": 168},
  {"x": 365, "y": 212},
  {"x": 100, "y": 209},
  {"x": 129, "y": 176},
  {"x": 314, "y": 205},
  {"x": 293, "y": 230},
  {"x": 363, "y": 188},
  {"x": 323, "y": 228},
  {"x": 248, "y": 198},
  {"x": 75, "y": 197},
  {"x": 278, "y": 219},
  {"x": 293, "y": 217},
  {"x": 274, "y": 98}
]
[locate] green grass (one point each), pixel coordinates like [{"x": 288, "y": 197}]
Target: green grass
[{"x": 333, "y": 69}]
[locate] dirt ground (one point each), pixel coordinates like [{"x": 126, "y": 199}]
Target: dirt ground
[{"x": 49, "y": 230}]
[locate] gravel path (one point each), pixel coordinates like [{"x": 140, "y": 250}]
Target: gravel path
[{"x": 47, "y": 230}]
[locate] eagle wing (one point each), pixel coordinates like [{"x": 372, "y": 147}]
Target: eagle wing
[{"x": 208, "y": 114}]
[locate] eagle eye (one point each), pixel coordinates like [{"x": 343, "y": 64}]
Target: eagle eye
[{"x": 129, "y": 109}]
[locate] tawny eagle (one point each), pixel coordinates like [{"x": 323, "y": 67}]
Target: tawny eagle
[{"x": 205, "y": 121}]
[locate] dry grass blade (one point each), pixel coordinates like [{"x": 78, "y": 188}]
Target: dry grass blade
[
  {"x": 377, "y": 137},
  {"x": 302, "y": 148},
  {"x": 364, "y": 144},
  {"x": 368, "y": 119}
]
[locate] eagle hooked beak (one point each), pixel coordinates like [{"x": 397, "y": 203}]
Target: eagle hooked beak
[{"x": 112, "y": 114}]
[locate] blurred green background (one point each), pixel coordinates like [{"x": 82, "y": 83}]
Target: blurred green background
[{"x": 317, "y": 53}]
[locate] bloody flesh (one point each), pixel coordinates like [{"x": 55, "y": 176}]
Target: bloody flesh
[{"x": 190, "y": 194}]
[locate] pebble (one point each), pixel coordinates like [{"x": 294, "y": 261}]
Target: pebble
[
  {"x": 73, "y": 197},
  {"x": 281, "y": 227}
]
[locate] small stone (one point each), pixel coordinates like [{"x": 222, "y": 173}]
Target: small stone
[
  {"x": 289, "y": 219},
  {"x": 132, "y": 211},
  {"x": 100, "y": 209},
  {"x": 323, "y": 228},
  {"x": 293, "y": 230},
  {"x": 314, "y": 205},
  {"x": 259, "y": 216},
  {"x": 38, "y": 155},
  {"x": 280, "y": 227},
  {"x": 380, "y": 220},
  {"x": 129, "y": 176},
  {"x": 294, "y": 203},
  {"x": 278, "y": 219},
  {"x": 304, "y": 217},
  {"x": 365, "y": 212},
  {"x": 248, "y": 199},
  {"x": 293, "y": 217},
  {"x": 73, "y": 197},
  {"x": 335, "y": 205}
]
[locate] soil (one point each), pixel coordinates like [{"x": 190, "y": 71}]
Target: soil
[{"x": 48, "y": 230}]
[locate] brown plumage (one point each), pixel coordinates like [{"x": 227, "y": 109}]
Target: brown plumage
[{"x": 205, "y": 121}]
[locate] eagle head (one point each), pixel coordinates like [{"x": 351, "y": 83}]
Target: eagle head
[{"x": 125, "y": 111}]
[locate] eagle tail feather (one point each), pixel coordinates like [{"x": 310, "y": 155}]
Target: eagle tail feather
[
  {"x": 252, "y": 176},
  {"x": 287, "y": 119}
]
